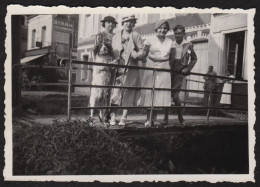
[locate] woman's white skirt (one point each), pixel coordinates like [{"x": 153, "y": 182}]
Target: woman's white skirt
[{"x": 161, "y": 97}]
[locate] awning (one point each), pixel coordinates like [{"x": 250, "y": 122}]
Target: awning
[{"x": 30, "y": 58}]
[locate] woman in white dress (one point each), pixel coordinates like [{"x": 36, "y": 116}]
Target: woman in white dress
[
  {"x": 159, "y": 50},
  {"x": 226, "y": 98}
]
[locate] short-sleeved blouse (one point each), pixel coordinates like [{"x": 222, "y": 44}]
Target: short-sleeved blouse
[
  {"x": 159, "y": 50},
  {"x": 158, "y": 57}
]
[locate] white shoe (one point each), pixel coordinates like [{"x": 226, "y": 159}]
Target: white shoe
[
  {"x": 147, "y": 124},
  {"x": 122, "y": 122},
  {"x": 112, "y": 121}
]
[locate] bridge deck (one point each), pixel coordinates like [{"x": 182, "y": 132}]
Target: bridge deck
[{"x": 135, "y": 124}]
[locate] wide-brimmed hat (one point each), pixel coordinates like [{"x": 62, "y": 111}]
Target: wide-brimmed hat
[
  {"x": 160, "y": 22},
  {"x": 109, "y": 18},
  {"x": 128, "y": 17}
]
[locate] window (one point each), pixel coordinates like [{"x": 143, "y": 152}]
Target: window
[
  {"x": 33, "y": 38},
  {"x": 88, "y": 26},
  {"x": 73, "y": 76},
  {"x": 97, "y": 25},
  {"x": 235, "y": 43},
  {"x": 43, "y": 39}
]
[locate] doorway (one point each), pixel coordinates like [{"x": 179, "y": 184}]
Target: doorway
[{"x": 235, "y": 53}]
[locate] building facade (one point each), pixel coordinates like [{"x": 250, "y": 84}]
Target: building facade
[
  {"x": 49, "y": 41},
  {"x": 228, "y": 51},
  {"x": 197, "y": 31},
  {"x": 228, "y": 41},
  {"x": 219, "y": 40}
]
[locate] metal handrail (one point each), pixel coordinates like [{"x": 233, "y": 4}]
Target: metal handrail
[
  {"x": 70, "y": 84},
  {"x": 127, "y": 66},
  {"x": 195, "y": 81},
  {"x": 152, "y": 107},
  {"x": 150, "y": 68},
  {"x": 158, "y": 107},
  {"x": 151, "y": 88},
  {"x": 133, "y": 87},
  {"x": 53, "y": 67}
]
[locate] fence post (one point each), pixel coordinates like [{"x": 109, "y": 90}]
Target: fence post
[
  {"x": 209, "y": 101},
  {"x": 198, "y": 88},
  {"x": 69, "y": 78},
  {"x": 151, "y": 110},
  {"x": 186, "y": 84}
]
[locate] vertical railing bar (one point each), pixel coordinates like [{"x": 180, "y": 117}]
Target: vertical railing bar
[
  {"x": 185, "y": 92},
  {"x": 198, "y": 89},
  {"x": 69, "y": 79},
  {"x": 209, "y": 101},
  {"x": 151, "y": 110},
  {"x": 69, "y": 90}
]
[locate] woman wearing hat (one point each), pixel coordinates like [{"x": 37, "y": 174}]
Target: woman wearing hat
[
  {"x": 123, "y": 44},
  {"x": 108, "y": 23},
  {"x": 159, "y": 50}
]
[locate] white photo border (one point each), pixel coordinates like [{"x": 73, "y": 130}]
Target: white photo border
[{"x": 213, "y": 178}]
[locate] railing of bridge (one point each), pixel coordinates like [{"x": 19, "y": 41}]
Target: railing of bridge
[
  {"x": 153, "y": 88},
  {"x": 70, "y": 85}
]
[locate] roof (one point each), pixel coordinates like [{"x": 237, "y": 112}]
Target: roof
[
  {"x": 30, "y": 58},
  {"x": 187, "y": 20}
]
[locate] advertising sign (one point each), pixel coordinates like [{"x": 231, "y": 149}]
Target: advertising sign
[{"x": 63, "y": 27}]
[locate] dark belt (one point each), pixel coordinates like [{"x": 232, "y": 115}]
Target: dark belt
[{"x": 165, "y": 60}]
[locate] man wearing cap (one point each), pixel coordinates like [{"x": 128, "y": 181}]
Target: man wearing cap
[{"x": 123, "y": 44}]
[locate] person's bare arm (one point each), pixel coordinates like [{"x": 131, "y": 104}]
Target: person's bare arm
[{"x": 141, "y": 54}]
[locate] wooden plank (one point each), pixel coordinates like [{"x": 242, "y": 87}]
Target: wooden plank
[{"x": 177, "y": 129}]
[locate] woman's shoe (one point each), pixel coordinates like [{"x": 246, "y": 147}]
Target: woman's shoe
[
  {"x": 122, "y": 122},
  {"x": 154, "y": 123},
  {"x": 147, "y": 124},
  {"x": 112, "y": 121},
  {"x": 157, "y": 123}
]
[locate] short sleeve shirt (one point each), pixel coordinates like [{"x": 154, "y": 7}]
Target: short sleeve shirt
[
  {"x": 159, "y": 50},
  {"x": 179, "y": 48}
]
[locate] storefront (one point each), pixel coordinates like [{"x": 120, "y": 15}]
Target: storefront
[
  {"x": 227, "y": 51},
  {"x": 49, "y": 40}
]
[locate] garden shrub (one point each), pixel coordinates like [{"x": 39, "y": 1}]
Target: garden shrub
[{"x": 73, "y": 148}]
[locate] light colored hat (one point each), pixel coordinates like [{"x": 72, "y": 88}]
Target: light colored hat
[
  {"x": 160, "y": 22},
  {"x": 128, "y": 17}
]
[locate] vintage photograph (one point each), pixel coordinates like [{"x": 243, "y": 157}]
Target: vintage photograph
[{"x": 155, "y": 93}]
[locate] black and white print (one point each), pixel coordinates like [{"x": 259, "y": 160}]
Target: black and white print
[{"x": 155, "y": 93}]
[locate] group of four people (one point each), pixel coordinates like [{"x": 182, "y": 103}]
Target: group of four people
[{"x": 157, "y": 51}]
